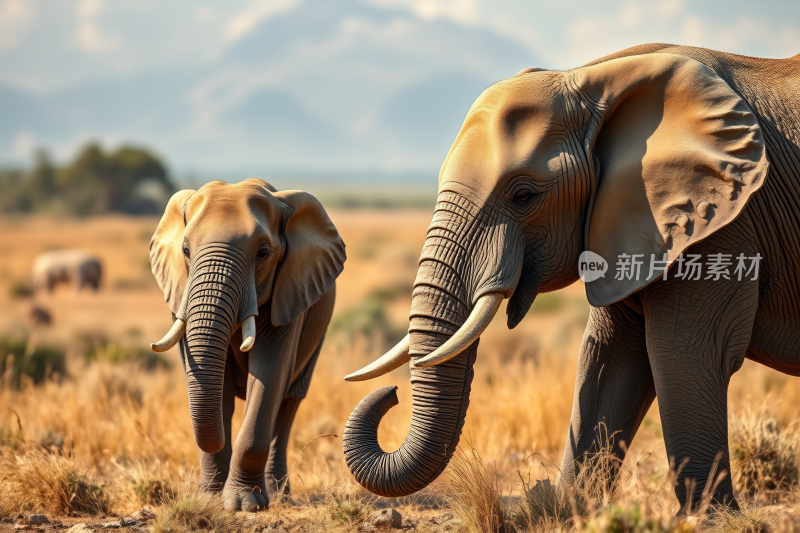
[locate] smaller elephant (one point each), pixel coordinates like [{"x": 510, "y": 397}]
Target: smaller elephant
[
  {"x": 77, "y": 267},
  {"x": 249, "y": 275}
]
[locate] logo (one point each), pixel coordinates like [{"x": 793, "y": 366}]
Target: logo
[{"x": 591, "y": 266}]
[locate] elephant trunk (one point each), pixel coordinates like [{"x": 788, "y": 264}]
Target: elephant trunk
[
  {"x": 441, "y": 304},
  {"x": 441, "y": 398},
  {"x": 212, "y": 309}
]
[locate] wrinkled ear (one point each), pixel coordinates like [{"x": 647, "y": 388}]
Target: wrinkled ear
[
  {"x": 679, "y": 154},
  {"x": 166, "y": 251},
  {"x": 313, "y": 260}
]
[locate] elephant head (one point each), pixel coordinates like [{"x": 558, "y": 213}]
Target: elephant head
[
  {"x": 219, "y": 254},
  {"x": 637, "y": 155}
]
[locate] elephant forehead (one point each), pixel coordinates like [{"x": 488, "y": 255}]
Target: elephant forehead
[
  {"x": 510, "y": 130},
  {"x": 239, "y": 214}
]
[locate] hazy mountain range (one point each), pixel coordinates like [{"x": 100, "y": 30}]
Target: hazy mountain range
[{"x": 328, "y": 86}]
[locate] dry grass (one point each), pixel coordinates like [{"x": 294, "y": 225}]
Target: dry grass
[
  {"x": 127, "y": 428},
  {"x": 193, "y": 509},
  {"x": 39, "y": 480},
  {"x": 764, "y": 457},
  {"x": 633, "y": 519},
  {"x": 347, "y": 504},
  {"x": 750, "y": 519},
  {"x": 477, "y": 496},
  {"x": 149, "y": 481},
  {"x": 600, "y": 501}
]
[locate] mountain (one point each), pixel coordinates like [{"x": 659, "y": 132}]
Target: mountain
[{"x": 329, "y": 85}]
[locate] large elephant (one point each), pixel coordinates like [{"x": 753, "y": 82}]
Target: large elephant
[
  {"x": 246, "y": 255},
  {"x": 76, "y": 267},
  {"x": 657, "y": 151}
]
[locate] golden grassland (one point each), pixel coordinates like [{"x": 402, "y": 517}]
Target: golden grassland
[{"x": 124, "y": 431}]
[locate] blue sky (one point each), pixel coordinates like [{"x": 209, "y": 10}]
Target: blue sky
[
  {"x": 48, "y": 49},
  {"x": 45, "y": 44}
]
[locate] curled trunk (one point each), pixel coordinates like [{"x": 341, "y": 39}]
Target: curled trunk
[
  {"x": 441, "y": 398},
  {"x": 440, "y": 305},
  {"x": 215, "y": 288}
]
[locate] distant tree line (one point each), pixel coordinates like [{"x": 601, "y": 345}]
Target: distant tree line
[{"x": 128, "y": 180}]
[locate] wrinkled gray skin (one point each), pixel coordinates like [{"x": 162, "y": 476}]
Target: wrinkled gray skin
[
  {"x": 222, "y": 254},
  {"x": 510, "y": 218},
  {"x": 273, "y": 378},
  {"x": 75, "y": 267}
]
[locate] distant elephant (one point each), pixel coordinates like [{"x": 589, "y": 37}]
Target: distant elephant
[
  {"x": 246, "y": 255},
  {"x": 658, "y": 151},
  {"x": 77, "y": 267}
]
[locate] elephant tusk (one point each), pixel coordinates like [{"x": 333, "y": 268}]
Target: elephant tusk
[
  {"x": 248, "y": 333},
  {"x": 478, "y": 320},
  {"x": 171, "y": 338},
  {"x": 394, "y": 358}
]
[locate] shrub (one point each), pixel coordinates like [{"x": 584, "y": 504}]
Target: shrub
[
  {"x": 148, "y": 482},
  {"x": 764, "y": 459},
  {"x": 632, "y": 519},
  {"x": 476, "y": 499},
  {"x": 39, "y": 481},
  {"x": 344, "y": 504},
  {"x": 20, "y": 288},
  {"x": 368, "y": 319},
  {"x": 26, "y": 358},
  {"x": 348, "y": 508},
  {"x": 750, "y": 519},
  {"x": 545, "y": 507},
  {"x": 193, "y": 509},
  {"x": 97, "y": 347}
]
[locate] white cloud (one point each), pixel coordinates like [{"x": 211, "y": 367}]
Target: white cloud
[
  {"x": 89, "y": 8},
  {"x": 23, "y": 145},
  {"x": 93, "y": 40},
  {"x": 669, "y": 8},
  {"x": 88, "y": 34},
  {"x": 243, "y": 22},
  {"x": 204, "y": 13},
  {"x": 16, "y": 17}
]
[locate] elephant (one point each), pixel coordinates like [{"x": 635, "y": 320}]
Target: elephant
[
  {"x": 234, "y": 260},
  {"x": 655, "y": 151},
  {"x": 77, "y": 267}
]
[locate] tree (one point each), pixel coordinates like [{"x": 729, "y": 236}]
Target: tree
[{"x": 129, "y": 180}]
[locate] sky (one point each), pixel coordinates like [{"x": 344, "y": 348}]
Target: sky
[{"x": 49, "y": 48}]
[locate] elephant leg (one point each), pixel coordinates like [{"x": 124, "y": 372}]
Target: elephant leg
[
  {"x": 269, "y": 373},
  {"x": 697, "y": 335},
  {"x": 613, "y": 387},
  {"x": 215, "y": 467},
  {"x": 277, "y": 468}
]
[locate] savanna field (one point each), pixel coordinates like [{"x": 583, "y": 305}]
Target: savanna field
[{"x": 95, "y": 427}]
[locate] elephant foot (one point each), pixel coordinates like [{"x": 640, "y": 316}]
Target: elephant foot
[
  {"x": 213, "y": 488},
  {"x": 249, "y": 500},
  {"x": 277, "y": 487}
]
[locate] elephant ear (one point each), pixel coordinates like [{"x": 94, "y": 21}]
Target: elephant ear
[
  {"x": 679, "y": 155},
  {"x": 313, "y": 259},
  {"x": 166, "y": 251}
]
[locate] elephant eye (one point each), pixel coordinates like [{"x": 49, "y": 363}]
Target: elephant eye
[
  {"x": 523, "y": 197},
  {"x": 186, "y": 251},
  {"x": 263, "y": 253}
]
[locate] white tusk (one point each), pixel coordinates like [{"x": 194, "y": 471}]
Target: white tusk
[
  {"x": 394, "y": 358},
  {"x": 477, "y": 321},
  {"x": 248, "y": 333},
  {"x": 171, "y": 338}
]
